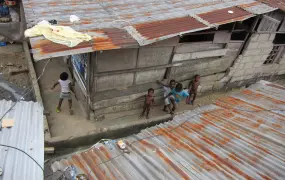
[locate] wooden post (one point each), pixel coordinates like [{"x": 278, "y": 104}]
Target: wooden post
[
  {"x": 246, "y": 39},
  {"x": 88, "y": 81}
]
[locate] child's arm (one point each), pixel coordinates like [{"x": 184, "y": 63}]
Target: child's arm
[
  {"x": 153, "y": 103},
  {"x": 162, "y": 84},
  {"x": 55, "y": 84},
  {"x": 168, "y": 95}
]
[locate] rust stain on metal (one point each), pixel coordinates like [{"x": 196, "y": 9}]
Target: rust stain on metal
[
  {"x": 258, "y": 96},
  {"x": 226, "y": 15},
  {"x": 111, "y": 39},
  {"x": 249, "y": 5},
  {"x": 157, "y": 29},
  {"x": 223, "y": 141},
  {"x": 91, "y": 162},
  {"x": 165, "y": 159},
  {"x": 201, "y": 5},
  {"x": 216, "y": 158},
  {"x": 153, "y": 20},
  {"x": 226, "y": 131},
  {"x": 275, "y": 3},
  {"x": 52, "y": 3},
  {"x": 276, "y": 86},
  {"x": 77, "y": 160},
  {"x": 195, "y": 149}
]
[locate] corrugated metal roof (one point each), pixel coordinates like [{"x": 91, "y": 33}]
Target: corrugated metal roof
[
  {"x": 280, "y": 4},
  {"x": 129, "y": 17},
  {"x": 109, "y": 39},
  {"x": 257, "y": 8},
  {"x": 155, "y": 30},
  {"x": 224, "y": 16},
  {"x": 237, "y": 137},
  {"x": 27, "y": 134}
]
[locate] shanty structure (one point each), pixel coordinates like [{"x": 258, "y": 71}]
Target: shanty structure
[
  {"x": 227, "y": 42},
  {"x": 237, "y": 137},
  {"x": 26, "y": 134}
]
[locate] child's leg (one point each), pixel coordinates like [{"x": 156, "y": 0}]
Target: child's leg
[
  {"x": 70, "y": 106},
  {"x": 172, "y": 100},
  {"x": 166, "y": 104},
  {"x": 170, "y": 110},
  {"x": 70, "y": 103},
  {"x": 164, "y": 108},
  {"x": 147, "y": 112},
  {"x": 194, "y": 97},
  {"x": 188, "y": 99},
  {"x": 142, "y": 114},
  {"x": 58, "y": 108}
]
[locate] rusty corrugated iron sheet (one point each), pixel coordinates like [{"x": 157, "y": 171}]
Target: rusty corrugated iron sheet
[
  {"x": 131, "y": 17},
  {"x": 237, "y": 137},
  {"x": 224, "y": 16},
  {"x": 257, "y": 8},
  {"x": 108, "y": 39},
  {"x": 164, "y": 28},
  {"x": 280, "y": 4}
]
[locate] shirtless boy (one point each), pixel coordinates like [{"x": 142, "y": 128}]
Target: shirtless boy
[
  {"x": 148, "y": 103},
  {"x": 193, "y": 89}
]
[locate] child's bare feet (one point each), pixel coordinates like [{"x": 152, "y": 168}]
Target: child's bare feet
[
  {"x": 147, "y": 117},
  {"x": 71, "y": 112},
  {"x": 58, "y": 110}
]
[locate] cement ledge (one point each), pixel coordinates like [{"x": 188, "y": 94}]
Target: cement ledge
[
  {"x": 36, "y": 88},
  {"x": 112, "y": 132}
]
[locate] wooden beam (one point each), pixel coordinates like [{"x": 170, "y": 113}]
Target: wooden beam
[
  {"x": 49, "y": 150},
  {"x": 269, "y": 32},
  {"x": 137, "y": 62},
  {"x": 134, "y": 70},
  {"x": 88, "y": 86},
  {"x": 246, "y": 39}
]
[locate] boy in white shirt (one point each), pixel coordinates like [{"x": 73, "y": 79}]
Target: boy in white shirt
[
  {"x": 168, "y": 100},
  {"x": 66, "y": 87}
]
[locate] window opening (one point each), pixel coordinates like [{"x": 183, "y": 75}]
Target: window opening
[
  {"x": 197, "y": 38},
  {"x": 279, "y": 39},
  {"x": 238, "y": 36},
  {"x": 273, "y": 55}
]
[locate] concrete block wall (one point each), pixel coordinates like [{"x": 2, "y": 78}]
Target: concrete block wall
[
  {"x": 116, "y": 81},
  {"x": 124, "y": 91},
  {"x": 250, "y": 65},
  {"x": 120, "y": 59},
  {"x": 204, "y": 66},
  {"x": 149, "y": 76},
  {"x": 121, "y": 92},
  {"x": 126, "y": 59},
  {"x": 154, "y": 56}
]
